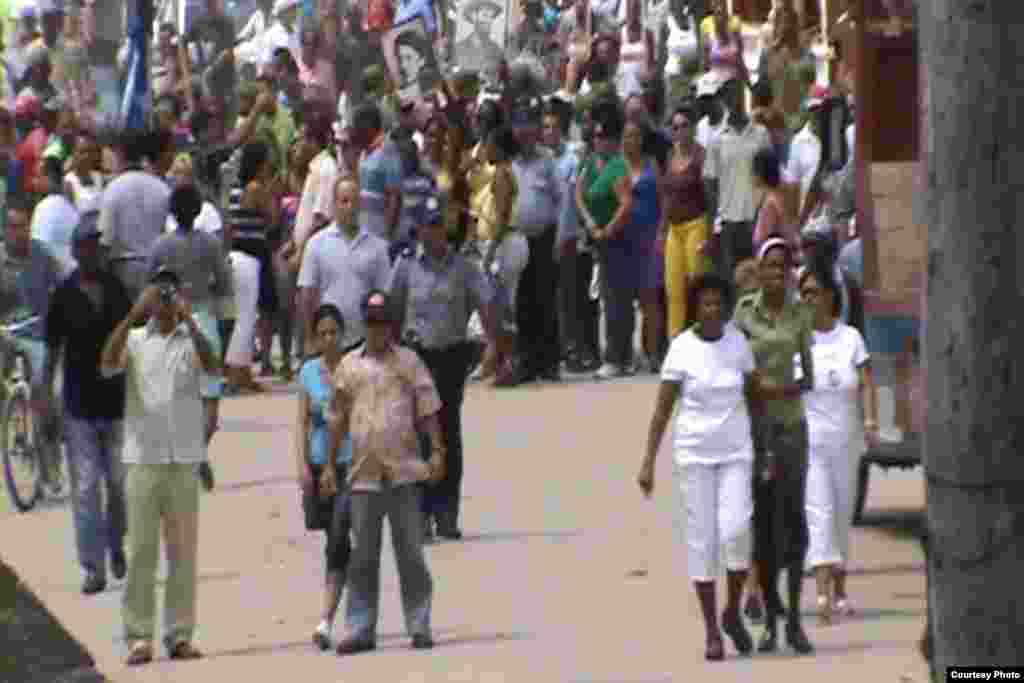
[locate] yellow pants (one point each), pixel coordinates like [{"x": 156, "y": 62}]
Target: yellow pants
[{"x": 681, "y": 263}]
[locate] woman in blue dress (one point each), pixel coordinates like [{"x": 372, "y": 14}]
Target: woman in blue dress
[
  {"x": 629, "y": 258},
  {"x": 323, "y": 511}
]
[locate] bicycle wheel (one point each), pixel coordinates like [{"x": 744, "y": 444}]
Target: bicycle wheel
[{"x": 21, "y": 464}]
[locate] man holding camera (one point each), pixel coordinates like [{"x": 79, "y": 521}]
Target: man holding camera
[{"x": 164, "y": 440}]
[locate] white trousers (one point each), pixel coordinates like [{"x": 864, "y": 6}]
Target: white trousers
[
  {"x": 512, "y": 255},
  {"x": 719, "y": 508},
  {"x": 831, "y": 485},
  {"x": 246, "y": 271}
]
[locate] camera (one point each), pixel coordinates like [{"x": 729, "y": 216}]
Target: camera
[{"x": 167, "y": 294}]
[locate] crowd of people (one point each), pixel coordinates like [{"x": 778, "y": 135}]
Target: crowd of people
[{"x": 398, "y": 249}]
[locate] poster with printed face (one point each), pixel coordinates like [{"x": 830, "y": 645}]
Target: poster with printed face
[
  {"x": 409, "y": 54},
  {"x": 480, "y": 34}
]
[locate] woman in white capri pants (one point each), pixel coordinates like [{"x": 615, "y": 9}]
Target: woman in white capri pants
[
  {"x": 709, "y": 370},
  {"x": 841, "y": 410}
]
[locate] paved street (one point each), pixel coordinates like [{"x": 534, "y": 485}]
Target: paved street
[{"x": 566, "y": 575}]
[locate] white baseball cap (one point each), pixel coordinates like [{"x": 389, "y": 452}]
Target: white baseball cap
[
  {"x": 710, "y": 83},
  {"x": 284, "y": 5}
]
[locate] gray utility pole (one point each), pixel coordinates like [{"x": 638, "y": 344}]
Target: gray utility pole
[{"x": 972, "y": 57}]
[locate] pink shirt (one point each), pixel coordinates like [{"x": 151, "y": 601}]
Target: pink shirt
[{"x": 318, "y": 81}]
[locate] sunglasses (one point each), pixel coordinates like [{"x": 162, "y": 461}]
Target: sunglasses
[{"x": 681, "y": 126}]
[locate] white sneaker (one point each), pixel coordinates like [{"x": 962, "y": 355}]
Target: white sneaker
[{"x": 609, "y": 371}]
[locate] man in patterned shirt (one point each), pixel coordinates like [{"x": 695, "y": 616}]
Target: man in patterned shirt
[{"x": 383, "y": 394}]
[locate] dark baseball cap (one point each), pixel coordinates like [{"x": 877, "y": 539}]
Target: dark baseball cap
[{"x": 165, "y": 275}]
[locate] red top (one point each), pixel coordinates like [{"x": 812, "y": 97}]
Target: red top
[{"x": 684, "y": 189}]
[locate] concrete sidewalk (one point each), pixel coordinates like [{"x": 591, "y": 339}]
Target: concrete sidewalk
[{"x": 566, "y": 574}]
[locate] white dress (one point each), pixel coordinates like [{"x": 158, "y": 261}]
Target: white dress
[
  {"x": 836, "y": 439},
  {"x": 632, "y": 63}
]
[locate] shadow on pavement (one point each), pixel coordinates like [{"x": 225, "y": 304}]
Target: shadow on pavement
[
  {"x": 502, "y": 536},
  {"x": 256, "y": 483},
  {"x": 912, "y": 568},
  {"x": 385, "y": 642},
  {"x": 118, "y": 586},
  {"x": 34, "y": 646},
  {"x": 868, "y": 614},
  {"x": 253, "y": 426}
]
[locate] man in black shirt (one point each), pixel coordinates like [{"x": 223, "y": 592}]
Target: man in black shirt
[{"x": 83, "y": 312}]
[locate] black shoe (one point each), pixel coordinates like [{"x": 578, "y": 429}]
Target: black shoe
[
  {"x": 93, "y": 584},
  {"x": 732, "y": 625},
  {"x": 206, "y": 475},
  {"x": 754, "y": 609},
  {"x": 797, "y": 639},
  {"x": 769, "y": 641},
  {"x": 118, "y": 565},
  {"x": 422, "y": 641},
  {"x": 354, "y": 647},
  {"x": 452, "y": 534},
  {"x": 551, "y": 375},
  {"x": 575, "y": 365}
]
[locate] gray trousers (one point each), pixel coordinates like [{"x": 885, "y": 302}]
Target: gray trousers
[{"x": 401, "y": 505}]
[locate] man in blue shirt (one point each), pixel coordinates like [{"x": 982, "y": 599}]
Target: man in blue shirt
[{"x": 380, "y": 174}]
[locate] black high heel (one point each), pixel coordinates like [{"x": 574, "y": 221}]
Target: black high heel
[
  {"x": 796, "y": 638},
  {"x": 769, "y": 641},
  {"x": 732, "y": 625}
]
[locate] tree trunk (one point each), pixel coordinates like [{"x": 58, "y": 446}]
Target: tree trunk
[{"x": 974, "y": 345}]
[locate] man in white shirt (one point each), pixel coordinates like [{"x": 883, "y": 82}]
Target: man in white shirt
[
  {"x": 715, "y": 116},
  {"x": 164, "y": 441},
  {"x": 729, "y": 183},
  {"x": 282, "y": 32},
  {"x": 341, "y": 265},
  {"x": 55, "y": 218}
]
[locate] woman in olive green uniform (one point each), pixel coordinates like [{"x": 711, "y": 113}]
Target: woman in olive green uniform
[{"x": 779, "y": 329}]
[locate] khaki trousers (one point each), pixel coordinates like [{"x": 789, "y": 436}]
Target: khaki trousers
[{"x": 161, "y": 497}]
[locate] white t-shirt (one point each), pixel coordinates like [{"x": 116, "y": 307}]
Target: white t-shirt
[
  {"x": 712, "y": 424},
  {"x": 53, "y": 223},
  {"x": 208, "y": 221},
  {"x": 833, "y": 410}
]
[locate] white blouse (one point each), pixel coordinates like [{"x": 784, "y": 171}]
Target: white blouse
[
  {"x": 712, "y": 423},
  {"x": 682, "y": 45},
  {"x": 833, "y": 405}
]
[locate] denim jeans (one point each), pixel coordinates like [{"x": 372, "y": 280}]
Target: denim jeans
[
  {"x": 94, "y": 464},
  {"x": 401, "y": 505}
]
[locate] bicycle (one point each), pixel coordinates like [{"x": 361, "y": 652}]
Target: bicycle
[{"x": 27, "y": 465}]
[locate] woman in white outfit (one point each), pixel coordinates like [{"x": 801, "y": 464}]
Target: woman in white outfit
[
  {"x": 252, "y": 210},
  {"x": 709, "y": 370},
  {"x": 636, "y": 53},
  {"x": 841, "y": 410}
]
